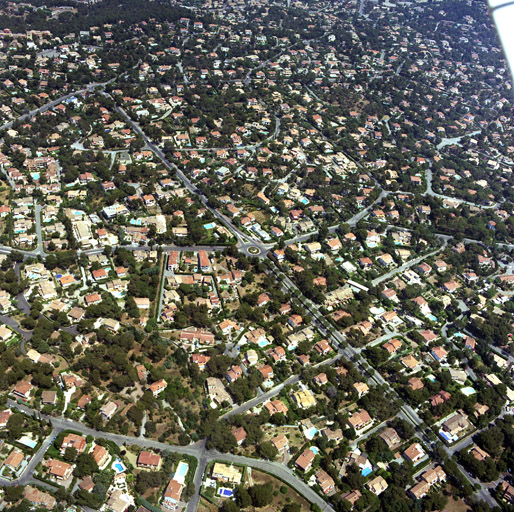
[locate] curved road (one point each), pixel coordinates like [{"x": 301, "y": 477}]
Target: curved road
[{"x": 198, "y": 451}]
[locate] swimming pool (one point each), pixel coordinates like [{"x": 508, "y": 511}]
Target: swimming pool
[
  {"x": 211, "y": 225},
  {"x": 314, "y": 449},
  {"x": 35, "y": 175},
  {"x": 118, "y": 466},
  {"x": 468, "y": 391},
  {"x": 58, "y": 276},
  {"x": 432, "y": 317},
  {"x": 366, "y": 471},
  {"x": 227, "y": 493},
  {"x": 262, "y": 343},
  {"x": 181, "y": 472},
  {"x": 309, "y": 434},
  {"x": 135, "y": 222},
  {"x": 27, "y": 441},
  {"x": 446, "y": 436}
]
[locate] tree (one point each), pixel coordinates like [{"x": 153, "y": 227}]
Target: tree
[
  {"x": 243, "y": 498},
  {"x": 15, "y": 426},
  {"x": 12, "y": 494},
  {"x": 70, "y": 454},
  {"x": 261, "y": 494},
  {"x": 86, "y": 465},
  {"x": 230, "y": 506},
  {"x": 267, "y": 450}
]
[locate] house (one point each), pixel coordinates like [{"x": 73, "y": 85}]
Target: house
[
  {"x": 234, "y": 373},
  {"x": 278, "y": 354},
  {"x": 39, "y": 498},
  {"x": 158, "y": 387},
  {"x": 390, "y": 438},
  {"x": 440, "y": 398},
  {"x": 451, "y": 286},
  {"x": 440, "y": 266},
  {"x": 414, "y": 453},
  {"x": 422, "y": 304},
  {"x": 352, "y": 497},
  {"x": 361, "y": 388},
  {"x": 266, "y": 371},
  {"x": 228, "y": 326},
  {"x": 322, "y": 347},
  {"x": 91, "y": 300},
  {"x": 14, "y": 460},
  {"x": 5, "y": 333},
  {"x": 73, "y": 441},
  {"x": 276, "y": 406},
  {"x": 325, "y": 481},
  {"x": 424, "y": 269},
  {"x": 478, "y": 453},
  {"x": 304, "y": 399},
  {"x": 239, "y": 434},
  {"x": 385, "y": 260},
  {"x": 4, "y": 417},
  {"x": 295, "y": 321},
  {"x": 415, "y": 383},
  {"x": 359, "y": 420},
  {"x": 456, "y": 424},
  {"x": 229, "y": 474},
  {"x": 428, "y": 479},
  {"x": 389, "y": 294},
  {"x": 100, "y": 455},
  {"x": 148, "y": 460},
  {"x": 23, "y": 389},
  {"x": 321, "y": 379},
  {"x": 377, "y": 486},
  {"x": 58, "y": 469},
  {"x": 439, "y": 354},
  {"x": 392, "y": 346},
  {"x": 334, "y": 244},
  {"x": 280, "y": 442},
  {"x": 84, "y": 401},
  {"x": 305, "y": 460},
  {"x": 200, "y": 359},
  {"x": 410, "y": 362},
  {"x": 428, "y": 335},
  {"x": 203, "y": 261},
  {"x": 48, "y": 397},
  {"x": 172, "y": 494},
  {"x": 118, "y": 500},
  {"x": 107, "y": 410}
]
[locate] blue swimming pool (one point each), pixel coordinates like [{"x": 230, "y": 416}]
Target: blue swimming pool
[
  {"x": 224, "y": 491},
  {"x": 309, "y": 434},
  {"x": 118, "y": 467},
  {"x": 211, "y": 225},
  {"x": 366, "y": 471},
  {"x": 314, "y": 449},
  {"x": 263, "y": 343},
  {"x": 445, "y": 436},
  {"x": 432, "y": 317},
  {"x": 181, "y": 470}
]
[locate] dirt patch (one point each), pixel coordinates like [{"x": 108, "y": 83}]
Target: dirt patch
[
  {"x": 456, "y": 506},
  {"x": 260, "y": 216},
  {"x": 282, "y": 498},
  {"x": 205, "y": 506}
]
